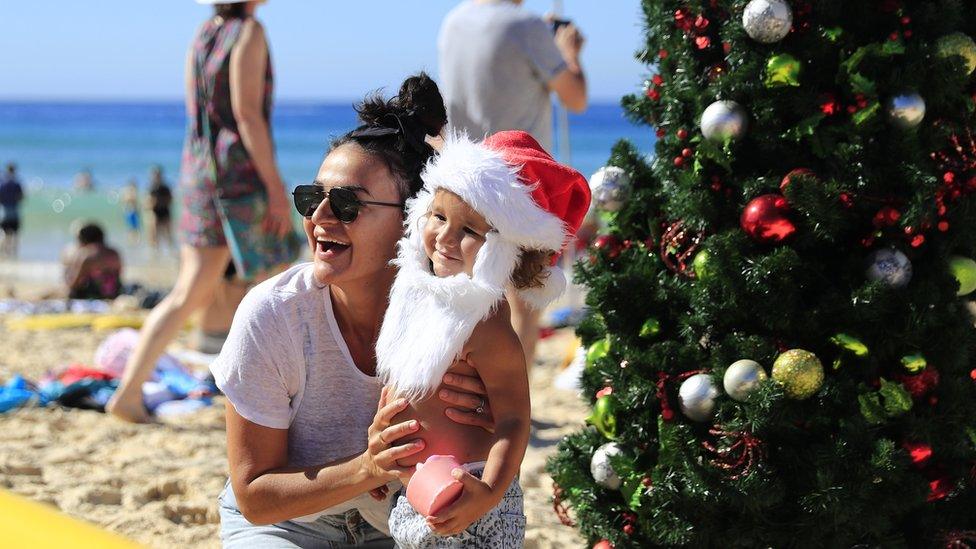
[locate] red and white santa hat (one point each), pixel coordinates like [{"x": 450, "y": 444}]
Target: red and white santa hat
[{"x": 530, "y": 200}]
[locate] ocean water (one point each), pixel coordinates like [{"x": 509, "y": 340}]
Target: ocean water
[{"x": 118, "y": 142}]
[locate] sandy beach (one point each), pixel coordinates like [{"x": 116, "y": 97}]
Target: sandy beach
[{"x": 158, "y": 484}]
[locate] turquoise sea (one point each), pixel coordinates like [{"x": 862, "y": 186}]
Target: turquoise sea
[{"x": 118, "y": 142}]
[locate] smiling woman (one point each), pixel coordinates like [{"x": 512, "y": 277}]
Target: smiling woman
[{"x": 309, "y": 430}]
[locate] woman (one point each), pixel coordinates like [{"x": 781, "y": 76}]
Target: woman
[
  {"x": 228, "y": 107},
  {"x": 298, "y": 367}
]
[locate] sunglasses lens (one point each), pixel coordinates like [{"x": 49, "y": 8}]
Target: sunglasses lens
[
  {"x": 344, "y": 204},
  {"x": 307, "y": 199}
]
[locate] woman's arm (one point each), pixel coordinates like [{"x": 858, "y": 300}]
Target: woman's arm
[
  {"x": 248, "y": 65},
  {"x": 497, "y": 354},
  {"x": 268, "y": 492}
]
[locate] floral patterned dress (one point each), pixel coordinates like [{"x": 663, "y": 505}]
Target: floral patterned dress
[{"x": 236, "y": 175}]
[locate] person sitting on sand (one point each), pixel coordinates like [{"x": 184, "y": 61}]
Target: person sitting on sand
[
  {"x": 490, "y": 218},
  {"x": 92, "y": 270}
]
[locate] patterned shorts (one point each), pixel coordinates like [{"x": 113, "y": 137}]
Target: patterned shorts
[{"x": 502, "y": 528}]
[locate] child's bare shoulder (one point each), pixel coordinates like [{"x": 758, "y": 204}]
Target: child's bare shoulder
[{"x": 495, "y": 337}]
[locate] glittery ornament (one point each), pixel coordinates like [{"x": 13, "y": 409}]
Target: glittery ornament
[
  {"x": 742, "y": 378},
  {"x": 890, "y": 266},
  {"x": 597, "y": 351},
  {"x": 765, "y": 219},
  {"x": 958, "y": 44},
  {"x": 939, "y": 488},
  {"x": 850, "y": 344},
  {"x": 783, "y": 70},
  {"x": 650, "y": 328},
  {"x": 702, "y": 265},
  {"x": 907, "y": 110},
  {"x": 697, "y": 396},
  {"x": 604, "y": 415},
  {"x": 678, "y": 245},
  {"x": 610, "y": 187},
  {"x": 799, "y": 372},
  {"x": 921, "y": 384},
  {"x": 964, "y": 271},
  {"x": 723, "y": 121},
  {"x": 767, "y": 21},
  {"x": 914, "y": 363},
  {"x": 602, "y": 469},
  {"x": 918, "y": 452}
]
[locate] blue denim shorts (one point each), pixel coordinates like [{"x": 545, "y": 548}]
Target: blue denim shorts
[{"x": 328, "y": 531}]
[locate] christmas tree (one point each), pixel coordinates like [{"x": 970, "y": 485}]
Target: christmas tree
[{"x": 779, "y": 348}]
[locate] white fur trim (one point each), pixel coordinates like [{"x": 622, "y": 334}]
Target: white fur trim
[
  {"x": 554, "y": 286},
  {"x": 492, "y": 187}
]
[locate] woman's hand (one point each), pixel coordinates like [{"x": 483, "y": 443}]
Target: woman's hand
[
  {"x": 470, "y": 400},
  {"x": 278, "y": 218},
  {"x": 474, "y": 502},
  {"x": 380, "y": 458}
]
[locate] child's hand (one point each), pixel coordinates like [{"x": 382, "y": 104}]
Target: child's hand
[{"x": 475, "y": 501}]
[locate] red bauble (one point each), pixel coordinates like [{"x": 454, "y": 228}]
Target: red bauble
[
  {"x": 765, "y": 219},
  {"x": 629, "y": 528},
  {"x": 920, "y": 384},
  {"x": 919, "y": 452},
  {"x": 794, "y": 173},
  {"x": 608, "y": 242},
  {"x": 939, "y": 488},
  {"x": 603, "y": 544}
]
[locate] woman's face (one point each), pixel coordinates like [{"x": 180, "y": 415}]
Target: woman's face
[
  {"x": 357, "y": 252},
  {"x": 453, "y": 234}
]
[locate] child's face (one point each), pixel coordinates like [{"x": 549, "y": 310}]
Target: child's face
[{"x": 453, "y": 234}]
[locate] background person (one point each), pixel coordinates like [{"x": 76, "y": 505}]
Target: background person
[
  {"x": 498, "y": 66},
  {"x": 229, "y": 85},
  {"x": 92, "y": 270},
  {"x": 159, "y": 202},
  {"x": 129, "y": 198},
  {"x": 11, "y": 196}
]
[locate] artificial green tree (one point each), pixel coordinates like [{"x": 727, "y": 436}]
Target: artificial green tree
[{"x": 810, "y": 211}]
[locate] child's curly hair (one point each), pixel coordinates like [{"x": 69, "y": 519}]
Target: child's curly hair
[{"x": 531, "y": 270}]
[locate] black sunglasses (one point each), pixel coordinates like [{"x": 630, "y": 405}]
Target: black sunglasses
[{"x": 343, "y": 201}]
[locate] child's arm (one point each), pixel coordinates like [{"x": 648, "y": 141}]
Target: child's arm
[{"x": 494, "y": 350}]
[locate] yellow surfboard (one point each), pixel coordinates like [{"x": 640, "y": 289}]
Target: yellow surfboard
[{"x": 28, "y": 524}]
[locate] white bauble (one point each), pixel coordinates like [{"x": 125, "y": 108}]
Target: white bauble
[
  {"x": 906, "y": 110},
  {"x": 742, "y": 378},
  {"x": 767, "y": 21},
  {"x": 889, "y": 266},
  {"x": 697, "y": 396},
  {"x": 610, "y": 187},
  {"x": 601, "y": 468},
  {"x": 724, "y": 120}
]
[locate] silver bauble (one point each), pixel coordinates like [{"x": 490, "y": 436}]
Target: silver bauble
[
  {"x": 767, "y": 21},
  {"x": 697, "y": 397},
  {"x": 610, "y": 187},
  {"x": 889, "y": 266},
  {"x": 601, "y": 468},
  {"x": 742, "y": 378},
  {"x": 724, "y": 120},
  {"x": 906, "y": 110}
]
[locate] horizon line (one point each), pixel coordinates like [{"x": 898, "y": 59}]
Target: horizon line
[{"x": 603, "y": 100}]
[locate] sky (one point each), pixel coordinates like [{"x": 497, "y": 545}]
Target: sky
[{"x": 323, "y": 50}]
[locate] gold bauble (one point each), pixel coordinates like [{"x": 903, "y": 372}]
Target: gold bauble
[
  {"x": 959, "y": 44},
  {"x": 799, "y": 372}
]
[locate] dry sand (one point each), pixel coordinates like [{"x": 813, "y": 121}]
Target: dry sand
[{"x": 158, "y": 484}]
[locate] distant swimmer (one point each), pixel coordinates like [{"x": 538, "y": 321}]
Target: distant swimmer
[{"x": 11, "y": 196}]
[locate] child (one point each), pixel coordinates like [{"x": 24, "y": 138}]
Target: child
[{"x": 490, "y": 216}]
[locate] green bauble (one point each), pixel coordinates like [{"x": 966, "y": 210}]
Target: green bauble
[
  {"x": 851, "y": 344},
  {"x": 964, "y": 269},
  {"x": 702, "y": 265},
  {"x": 604, "y": 415},
  {"x": 959, "y": 44},
  {"x": 598, "y": 350},
  {"x": 650, "y": 328},
  {"x": 914, "y": 363},
  {"x": 783, "y": 70},
  {"x": 799, "y": 372}
]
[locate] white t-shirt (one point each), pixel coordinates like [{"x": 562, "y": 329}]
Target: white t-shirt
[{"x": 285, "y": 366}]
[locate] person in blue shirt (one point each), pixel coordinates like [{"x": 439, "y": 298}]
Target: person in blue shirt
[{"x": 11, "y": 195}]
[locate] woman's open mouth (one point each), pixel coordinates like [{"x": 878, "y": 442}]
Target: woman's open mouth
[{"x": 328, "y": 249}]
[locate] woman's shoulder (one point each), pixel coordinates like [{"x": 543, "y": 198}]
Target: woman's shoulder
[{"x": 296, "y": 285}]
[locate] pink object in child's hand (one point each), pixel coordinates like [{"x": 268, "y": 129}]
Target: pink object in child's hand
[{"x": 433, "y": 487}]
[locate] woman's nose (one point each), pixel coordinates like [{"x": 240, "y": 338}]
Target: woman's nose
[{"x": 323, "y": 214}]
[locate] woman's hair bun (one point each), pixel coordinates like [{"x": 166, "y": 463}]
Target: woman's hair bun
[{"x": 420, "y": 94}]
